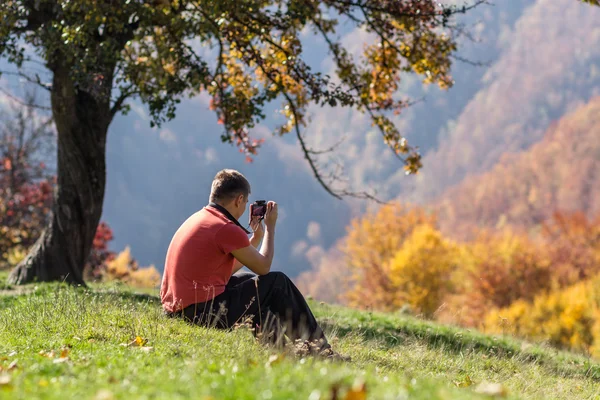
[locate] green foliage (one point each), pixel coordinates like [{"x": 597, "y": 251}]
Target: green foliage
[{"x": 153, "y": 50}]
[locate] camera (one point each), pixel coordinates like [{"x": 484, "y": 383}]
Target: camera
[{"x": 258, "y": 208}]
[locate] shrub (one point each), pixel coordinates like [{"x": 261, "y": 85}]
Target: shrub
[
  {"x": 124, "y": 268},
  {"x": 569, "y": 317},
  {"x": 421, "y": 271},
  {"x": 372, "y": 241}
]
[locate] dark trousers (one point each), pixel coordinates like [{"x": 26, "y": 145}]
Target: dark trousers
[{"x": 271, "y": 302}]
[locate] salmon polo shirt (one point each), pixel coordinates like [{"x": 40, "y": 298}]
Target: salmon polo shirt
[{"x": 199, "y": 262}]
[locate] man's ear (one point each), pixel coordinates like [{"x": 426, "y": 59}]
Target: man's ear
[{"x": 240, "y": 200}]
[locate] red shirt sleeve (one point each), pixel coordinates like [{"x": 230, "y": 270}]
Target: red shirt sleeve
[{"x": 230, "y": 238}]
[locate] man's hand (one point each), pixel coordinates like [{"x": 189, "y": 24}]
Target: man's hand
[{"x": 271, "y": 215}]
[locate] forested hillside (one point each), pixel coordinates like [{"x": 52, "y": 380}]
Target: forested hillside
[{"x": 561, "y": 172}]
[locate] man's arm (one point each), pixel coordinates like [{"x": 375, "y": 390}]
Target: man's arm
[
  {"x": 259, "y": 233},
  {"x": 260, "y": 262}
]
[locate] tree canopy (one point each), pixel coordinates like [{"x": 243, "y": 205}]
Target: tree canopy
[{"x": 157, "y": 51}]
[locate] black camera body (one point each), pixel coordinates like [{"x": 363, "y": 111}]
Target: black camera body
[{"x": 258, "y": 208}]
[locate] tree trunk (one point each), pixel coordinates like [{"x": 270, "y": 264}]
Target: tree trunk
[{"x": 82, "y": 116}]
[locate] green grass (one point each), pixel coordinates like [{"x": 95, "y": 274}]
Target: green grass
[{"x": 398, "y": 357}]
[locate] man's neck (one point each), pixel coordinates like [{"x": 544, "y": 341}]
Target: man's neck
[{"x": 228, "y": 207}]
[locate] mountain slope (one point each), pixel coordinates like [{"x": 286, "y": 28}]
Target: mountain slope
[
  {"x": 561, "y": 172},
  {"x": 549, "y": 65}
]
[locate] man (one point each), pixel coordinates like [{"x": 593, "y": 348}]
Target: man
[{"x": 200, "y": 282}]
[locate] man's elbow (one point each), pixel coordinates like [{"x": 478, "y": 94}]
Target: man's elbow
[{"x": 264, "y": 269}]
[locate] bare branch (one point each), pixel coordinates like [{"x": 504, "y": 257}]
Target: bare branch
[
  {"x": 37, "y": 80},
  {"x": 8, "y": 94}
]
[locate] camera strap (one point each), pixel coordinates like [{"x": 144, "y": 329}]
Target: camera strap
[{"x": 228, "y": 215}]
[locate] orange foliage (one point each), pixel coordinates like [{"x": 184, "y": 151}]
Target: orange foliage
[
  {"x": 372, "y": 242},
  {"x": 124, "y": 268},
  {"x": 498, "y": 270},
  {"x": 573, "y": 243},
  {"x": 561, "y": 172}
]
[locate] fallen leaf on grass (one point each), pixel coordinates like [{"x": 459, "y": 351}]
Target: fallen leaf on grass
[
  {"x": 49, "y": 354},
  {"x": 358, "y": 391},
  {"x": 465, "y": 382},
  {"x": 491, "y": 389},
  {"x": 4, "y": 380},
  {"x": 64, "y": 353},
  {"x": 138, "y": 341},
  {"x": 275, "y": 359},
  {"x": 104, "y": 394},
  {"x": 12, "y": 366}
]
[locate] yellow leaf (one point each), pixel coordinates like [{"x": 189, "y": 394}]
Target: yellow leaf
[
  {"x": 139, "y": 341},
  {"x": 357, "y": 392},
  {"x": 64, "y": 353}
]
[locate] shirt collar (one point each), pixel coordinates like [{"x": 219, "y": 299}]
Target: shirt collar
[{"x": 228, "y": 215}]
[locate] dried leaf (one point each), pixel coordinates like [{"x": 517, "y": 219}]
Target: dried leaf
[
  {"x": 4, "y": 380},
  {"x": 12, "y": 365},
  {"x": 48, "y": 354},
  {"x": 274, "y": 359},
  {"x": 465, "y": 382},
  {"x": 64, "y": 353},
  {"x": 358, "y": 391},
  {"x": 491, "y": 389},
  {"x": 104, "y": 394}
]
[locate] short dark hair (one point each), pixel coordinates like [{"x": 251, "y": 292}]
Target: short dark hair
[{"x": 227, "y": 185}]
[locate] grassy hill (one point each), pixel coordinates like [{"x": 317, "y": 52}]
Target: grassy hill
[{"x": 58, "y": 342}]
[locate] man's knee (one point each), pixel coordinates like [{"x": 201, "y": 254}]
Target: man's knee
[{"x": 276, "y": 278}]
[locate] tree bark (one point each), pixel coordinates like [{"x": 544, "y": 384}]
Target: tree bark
[{"x": 82, "y": 115}]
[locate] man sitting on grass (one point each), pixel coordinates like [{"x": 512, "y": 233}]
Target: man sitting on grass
[{"x": 201, "y": 282}]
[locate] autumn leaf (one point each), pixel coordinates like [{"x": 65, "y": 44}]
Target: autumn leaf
[
  {"x": 465, "y": 382},
  {"x": 274, "y": 359},
  {"x": 48, "y": 354},
  {"x": 4, "y": 380},
  {"x": 491, "y": 389},
  {"x": 358, "y": 391},
  {"x": 137, "y": 342}
]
